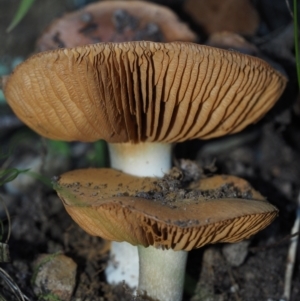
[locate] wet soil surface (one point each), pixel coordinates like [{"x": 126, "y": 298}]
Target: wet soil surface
[{"x": 266, "y": 154}]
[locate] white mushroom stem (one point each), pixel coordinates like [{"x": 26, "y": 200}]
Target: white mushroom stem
[
  {"x": 123, "y": 264},
  {"x": 162, "y": 273},
  {"x": 144, "y": 160}
]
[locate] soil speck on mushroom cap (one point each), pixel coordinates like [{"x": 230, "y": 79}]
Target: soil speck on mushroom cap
[{"x": 172, "y": 188}]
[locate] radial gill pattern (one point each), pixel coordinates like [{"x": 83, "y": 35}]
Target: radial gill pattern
[
  {"x": 121, "y": 207},
  {"x": 142, "y": 91}
]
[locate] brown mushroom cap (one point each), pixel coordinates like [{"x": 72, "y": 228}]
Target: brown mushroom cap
[
  {"x": 116, "y": 206},
  {"x": 115, "y": 21},
  {"x": 216, "y": 15},
  {"x": 141, "y": 92}
]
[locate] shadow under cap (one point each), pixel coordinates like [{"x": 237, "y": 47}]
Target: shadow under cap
[
  {"x": 121, "y": 207},
  {"x": 141, "y": 92}
]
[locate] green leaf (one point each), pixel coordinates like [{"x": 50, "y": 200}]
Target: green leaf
[
  {"x": 7, "y": 175},
  {"x": 21, "y": 12}
]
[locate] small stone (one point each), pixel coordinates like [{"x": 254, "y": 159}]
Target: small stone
[
  {"x": 235, "y": 254},
  {"x": 55, "y": 275}
]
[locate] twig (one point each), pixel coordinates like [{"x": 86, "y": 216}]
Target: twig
[
  {"x": 13, "y": 286},
  {"x": 291, "y": 256}
]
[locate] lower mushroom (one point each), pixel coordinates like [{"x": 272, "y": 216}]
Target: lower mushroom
[{"x": 163, "y": 222}]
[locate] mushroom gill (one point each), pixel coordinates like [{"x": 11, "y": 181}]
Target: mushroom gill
[{"x": 141, "y": 92}]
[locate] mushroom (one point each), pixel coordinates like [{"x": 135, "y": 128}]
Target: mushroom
[
  {"x": 238, "y": 16},
  {"x": 115, "y": 21},
  {"x": 118, "y": 21},
  {"x": 122, "y": 207},
  {"x": 141, "y": 97}
]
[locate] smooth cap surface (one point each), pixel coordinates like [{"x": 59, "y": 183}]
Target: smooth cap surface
[
  {"x": 141, "y": 91},
  {"x": 121, "y": 207}
]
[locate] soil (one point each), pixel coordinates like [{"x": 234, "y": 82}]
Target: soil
[{"x": 267, "y": 155}]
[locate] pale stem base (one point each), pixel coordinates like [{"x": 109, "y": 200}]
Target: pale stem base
[
  {"x": 123, "y": 264},
  {"x": 162, "y": 273},
  {"x": 144, "y": 160}
]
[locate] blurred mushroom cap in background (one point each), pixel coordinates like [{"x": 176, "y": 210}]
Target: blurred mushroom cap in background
[
  {"x": 115, "y": 21},
  {"x": 238, "y": 16}
]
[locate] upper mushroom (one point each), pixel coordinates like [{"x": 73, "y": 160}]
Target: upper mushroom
[{"x": 141, "y": 92}]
